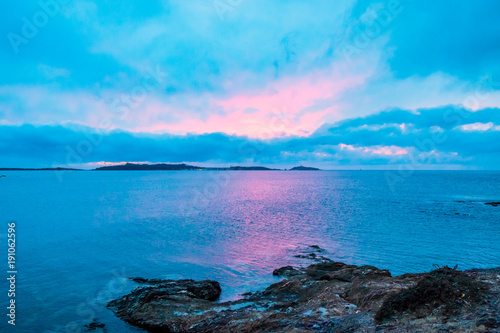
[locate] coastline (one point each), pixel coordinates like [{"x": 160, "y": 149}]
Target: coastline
[{"x": 326, "y": 296}]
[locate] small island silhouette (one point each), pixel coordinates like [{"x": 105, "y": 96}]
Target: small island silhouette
[
  {"x": 163, "y": 167},
  {"x": 303, "y": 168}
]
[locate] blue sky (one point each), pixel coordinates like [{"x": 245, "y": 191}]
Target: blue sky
[{"x": 334, "y": 84}]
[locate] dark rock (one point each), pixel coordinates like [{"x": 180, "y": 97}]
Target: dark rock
[
  {"x": 324, "y": 297},
  {"x": 157, "y": 281},
  {"x": 494, "y": 203},
  {"x": 311, "y": 252},
  {"x": 306, "y": 256},
  {"x": 139, "y": 279},
  {"x": 313, "y": 256},
  {"x": 316, "y": 248},
  {"x": 95, "y": 325},
  {"x": 162, "y": 307},
  {"x": 484, "y": 270},
  {"x": 351, "y": 323},
  {"x": 445, "y": 288},
  {"x": 318, "y": 270},
  {"x": 489, "y": 321},
  {"x": 209, "y": 290},
  {"x": 348, "y": 273},
  {"x": 286, "y": 271}
]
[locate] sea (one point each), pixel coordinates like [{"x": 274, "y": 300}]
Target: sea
[{"x": 80, "y": 235}]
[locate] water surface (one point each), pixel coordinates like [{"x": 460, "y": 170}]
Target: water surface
[{"x": 78, "y": 239}]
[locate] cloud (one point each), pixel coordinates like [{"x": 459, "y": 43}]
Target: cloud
[
  {"x": 462, "y": 39},
  {"x": 344, "y": 144},
  {"x": 264, "y": 70},
  {"x": 481, "y": 127}
]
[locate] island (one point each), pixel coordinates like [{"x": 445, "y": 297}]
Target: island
[
  {"x": 140, "y": 167},
  {"x": 257, "y": 168},
  {"x": 163, "y": 166},
  {"x": 303, "y": 168}
]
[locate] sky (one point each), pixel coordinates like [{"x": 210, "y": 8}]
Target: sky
[{"x": 331, "y": 84}]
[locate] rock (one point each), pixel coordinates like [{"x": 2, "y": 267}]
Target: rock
[
  {"x": 316, "y": 248},
  {"x": 445, "y": 288},
  {"x": 489, "y": 320},
  {"x": 139, "y": 279},
  {"x": 313, "y": 256},
  {"x": 306, "y": 256},
  {"x": 495, "y": 270},
  {"x": 349, "y": 272},
  {"x": 323, "y": 297},
  {"x": 310, "y": 252},
  {"x": 494, "y": 203},
  {"x": 94, "y": 326},
  {"x": 352, "y": 323},
  {"x": 316, "y": 271},
  {"x": 162, "y": 307},
  {"x": 286, "y": 271}
]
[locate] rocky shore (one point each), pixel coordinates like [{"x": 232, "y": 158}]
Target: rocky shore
[{"x": 324, "y": 297}]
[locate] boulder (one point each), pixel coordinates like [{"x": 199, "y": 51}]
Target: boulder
[{"x": 286, "y": 271}]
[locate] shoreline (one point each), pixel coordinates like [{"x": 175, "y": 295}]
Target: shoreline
[{"x": 326, "y": 296}]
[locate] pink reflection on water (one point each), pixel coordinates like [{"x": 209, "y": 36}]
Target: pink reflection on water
[{"x": 273, "y": 216}]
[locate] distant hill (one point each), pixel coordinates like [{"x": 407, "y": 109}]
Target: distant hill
[
  {"x": 138, "y": 167},
  {"x": 250, "y": 168},
  {"x": 161, "y": 166},
  {"x": 303, "y": 168}
]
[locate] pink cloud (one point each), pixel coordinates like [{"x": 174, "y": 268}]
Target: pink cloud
[
  {"x": 288, "y": 106},
  {"x": 291, "y": 105}
]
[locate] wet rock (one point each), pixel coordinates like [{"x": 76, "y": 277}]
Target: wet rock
[
  {"x": 306, "y": 256},
  {"x": 161, "y": 307},
  {"x": 313, "y": 256},
  {"x": 324, "y": 297},
  {"x": 286, "y": 271},
  {"x": 95, "y": 326},
  {"x": 494, "y": 203},
  {"x": 139, "y": 279},
  {"x": 316, "y": 248},
  {"x": 348, "y": 273},
  {"x": 311, "y": 252},
  {"x": 317, "y": 271}
]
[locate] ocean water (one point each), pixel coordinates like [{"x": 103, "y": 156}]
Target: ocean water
[{"x": 80, "y": 238}]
